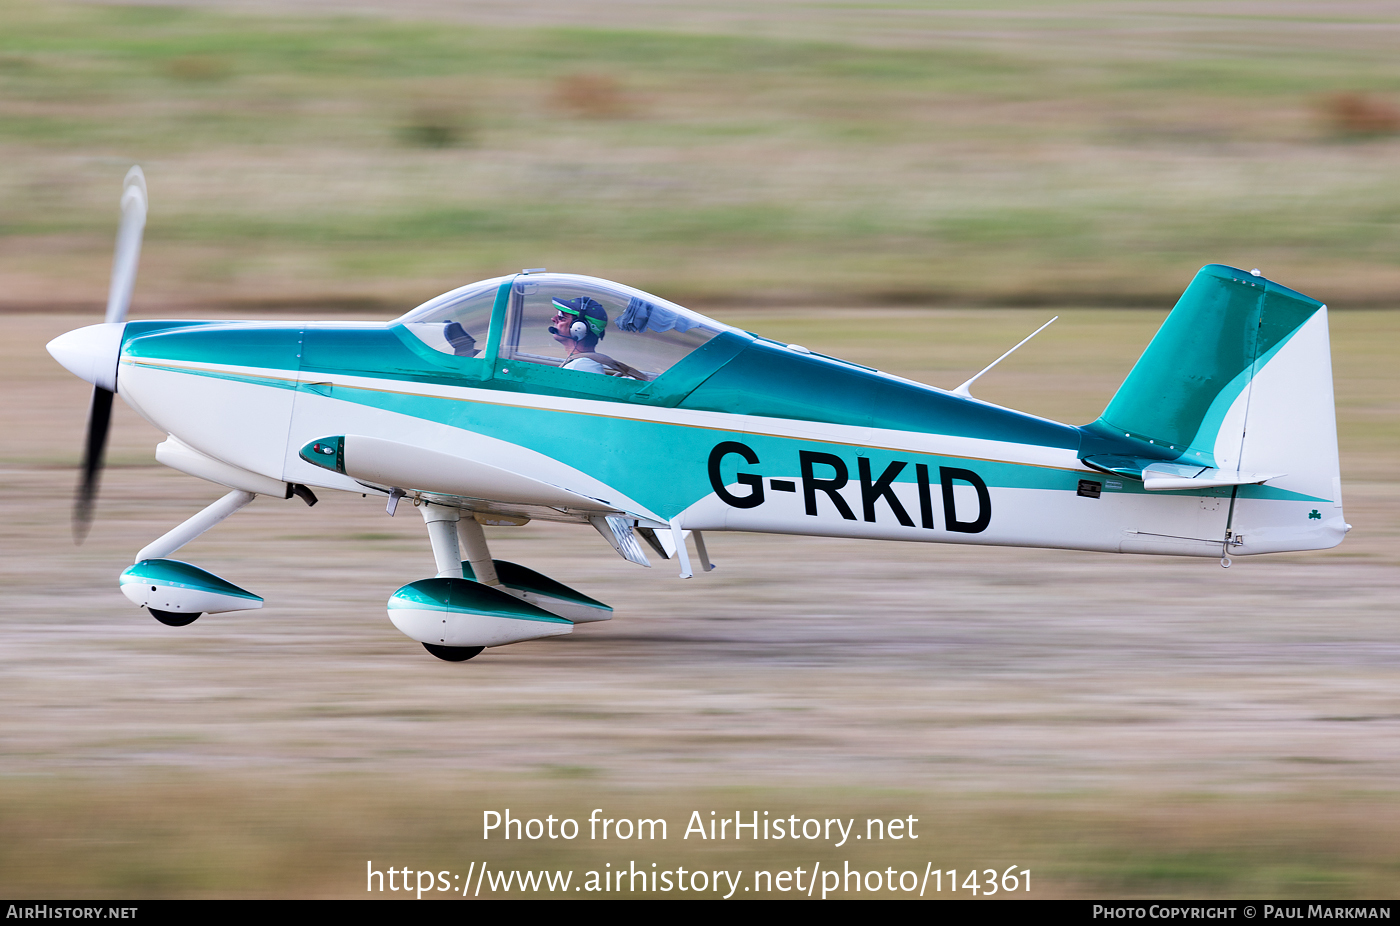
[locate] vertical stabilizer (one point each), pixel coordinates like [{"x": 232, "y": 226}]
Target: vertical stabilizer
[{"x": 1239, "y": 378}]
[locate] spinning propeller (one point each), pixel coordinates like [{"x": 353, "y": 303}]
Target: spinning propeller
[{"x": 124, "y": 261}]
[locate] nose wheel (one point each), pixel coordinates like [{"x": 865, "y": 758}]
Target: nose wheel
[
  {"x": 451, "y": 653},
  {"x": 174, "y": 618}
]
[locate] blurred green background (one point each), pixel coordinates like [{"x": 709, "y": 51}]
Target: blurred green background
[{"x": 789, "y": 152}]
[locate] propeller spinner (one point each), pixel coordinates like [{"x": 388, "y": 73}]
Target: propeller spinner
[{"x": 93, "y": 347}]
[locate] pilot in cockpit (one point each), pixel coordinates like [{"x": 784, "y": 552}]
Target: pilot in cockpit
[{"x": 579, "y": 324}]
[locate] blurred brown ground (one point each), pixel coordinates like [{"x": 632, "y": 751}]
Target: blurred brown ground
[{"x": 1121, "y": 725}]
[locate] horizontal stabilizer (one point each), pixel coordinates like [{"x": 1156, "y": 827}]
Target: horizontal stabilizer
[{"x": 1162, "y": 477}]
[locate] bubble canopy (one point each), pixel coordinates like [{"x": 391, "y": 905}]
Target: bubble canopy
[
  {"x": 625, "y": 332},
  {"x": 459, "y": 321}
]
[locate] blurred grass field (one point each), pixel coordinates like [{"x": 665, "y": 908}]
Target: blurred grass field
[
  {"x": 223, "y": 837},
  {"x": 803, "y": 154}
]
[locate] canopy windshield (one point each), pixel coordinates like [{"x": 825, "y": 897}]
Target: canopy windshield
[
  {"x": 594, "y": 326},
  {"x": 458, "y": 322}
]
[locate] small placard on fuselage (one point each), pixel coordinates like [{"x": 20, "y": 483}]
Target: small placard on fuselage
[{"x": 1088, "y": 488}]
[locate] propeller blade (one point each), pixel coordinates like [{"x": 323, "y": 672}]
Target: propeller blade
[
  {"x": 124, "y": 262},
  {"x": 99, "y": 420},
  {"x": 128, "y": 252}
]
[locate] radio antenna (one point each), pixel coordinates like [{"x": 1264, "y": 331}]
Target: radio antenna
[{"x": 965, "y": 388}]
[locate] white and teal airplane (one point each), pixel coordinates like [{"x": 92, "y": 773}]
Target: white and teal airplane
[{"x": 550, "y": 396}]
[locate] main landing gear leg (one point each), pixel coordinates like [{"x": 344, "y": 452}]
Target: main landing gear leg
[
  {"x": 442, "y": 532},
  {"x": 472, "y": 540},
  {"x": 444, "y": 528}
]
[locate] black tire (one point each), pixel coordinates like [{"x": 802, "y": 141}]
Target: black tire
[
  {"x": 174, "y": 618},
  {"x": 453, "y": 653}
]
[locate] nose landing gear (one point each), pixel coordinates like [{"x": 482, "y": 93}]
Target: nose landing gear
[{"x": 177, "y": 593}]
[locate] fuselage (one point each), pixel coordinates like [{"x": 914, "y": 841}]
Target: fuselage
[{"x": 741, "y": 433}]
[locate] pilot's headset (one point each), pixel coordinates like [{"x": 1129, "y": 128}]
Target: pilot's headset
[{"x": 588, "y": 318}]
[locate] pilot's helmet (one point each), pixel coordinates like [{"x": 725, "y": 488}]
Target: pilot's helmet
[{"x": 589, "y": 318}]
